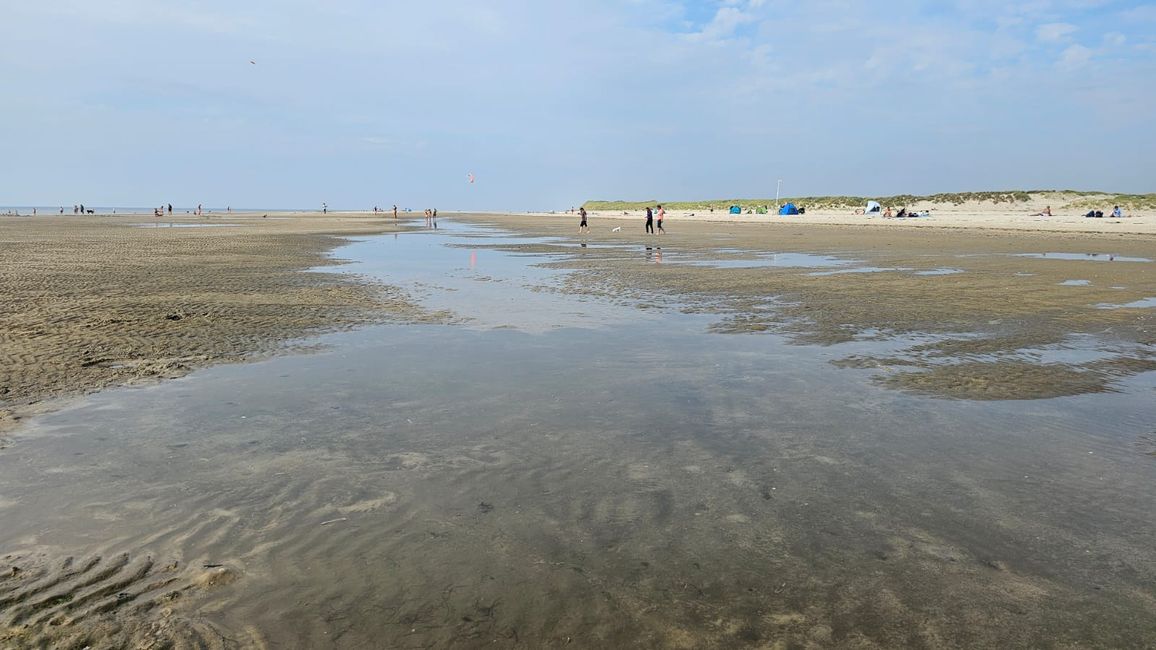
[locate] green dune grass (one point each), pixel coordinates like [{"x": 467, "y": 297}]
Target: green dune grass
[{"x": 1088, "y": 200}]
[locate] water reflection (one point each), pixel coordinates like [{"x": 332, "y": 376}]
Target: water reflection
[{"x": 444, "y": 271}]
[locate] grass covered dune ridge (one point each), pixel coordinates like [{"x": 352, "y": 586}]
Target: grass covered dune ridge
[{"x": 1058, "y": 199}]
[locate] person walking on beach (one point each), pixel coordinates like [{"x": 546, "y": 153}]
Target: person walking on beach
[
  {"x": 649, "y": 220},
  {"x": 661, "y": 214},
  {"x": 582, "y": 227},
  {"x": 324, "y": 208},
  {"x": 395, "y": 211}
]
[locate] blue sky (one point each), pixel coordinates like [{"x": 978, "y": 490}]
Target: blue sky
[{"x": 361, "y": 102}]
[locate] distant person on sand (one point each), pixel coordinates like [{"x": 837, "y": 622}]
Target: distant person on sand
[
  {"x": 395, "y": 211},
  {"x": 661, "y": 214},
  {"x": 649, "y": 220},
  {"x": 582, "y": 227},
  {"x": 324, "y": 208},
  {"x": 1047, "y": 212},
  {"x": 887, "y": 213},
  {"x": 1116, "y": 212},
  {"x": 170, "y": 209}
]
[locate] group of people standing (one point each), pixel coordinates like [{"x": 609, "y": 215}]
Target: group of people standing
[{"x": 583, "y": 226}]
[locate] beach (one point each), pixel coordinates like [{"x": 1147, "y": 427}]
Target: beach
[
  {"x": 822, "y": 430},
  {"x": 1026, "y": 215},
  {"x": 91, "y": 302}
]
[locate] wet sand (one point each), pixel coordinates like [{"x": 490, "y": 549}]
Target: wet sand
[
  {"x": 987, "y": 304},
  {"x": 661, "y": 482},
  {"x": 91, "y": 302}
]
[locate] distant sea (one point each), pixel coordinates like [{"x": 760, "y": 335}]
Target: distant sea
[{"x": 100, "y": 209}]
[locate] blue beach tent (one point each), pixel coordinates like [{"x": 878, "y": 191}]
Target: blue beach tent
[
  {"x": 736, "y": 209},
  {"x": 789, "y": 209}
]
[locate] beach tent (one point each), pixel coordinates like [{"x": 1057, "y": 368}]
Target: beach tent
[
  {"x": 736, "y": 209},
  {"x": 760, "y": 210},
  {"x": 873, "y": 206},
  {"x": 789, "y": 209}
]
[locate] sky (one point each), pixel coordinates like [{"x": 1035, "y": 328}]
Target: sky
[{"x": 356, "y": 103}]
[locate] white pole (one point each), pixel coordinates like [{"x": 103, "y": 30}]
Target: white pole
[{"x": 777, "y": 188}]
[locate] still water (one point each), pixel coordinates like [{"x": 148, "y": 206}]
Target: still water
[{"x": 557, "y": 472}]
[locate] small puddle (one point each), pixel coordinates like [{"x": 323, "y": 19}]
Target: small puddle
[
  {"x": 162, "y": 224},
  {"x": 770, "y": 260},
  {"x": 1085, "y": 257},
  {"x": 865, "y": 269},
  {"x": 1076, "y": 283},
  {"x": 1143, "y": 303},
  {"x": 939, "y": 272}
]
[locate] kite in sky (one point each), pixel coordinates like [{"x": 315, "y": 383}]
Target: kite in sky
[{"x": 470, "y": 177}]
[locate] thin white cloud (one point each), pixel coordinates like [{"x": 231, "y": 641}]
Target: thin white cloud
[
  {"x": 724, "y": 24},
  {"x": 1115, "y": 39},
  {"x": 1075, "y": 56},
  {"x": 1053, "y": 32}
]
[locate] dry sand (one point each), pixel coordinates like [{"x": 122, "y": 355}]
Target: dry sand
[{"x": 971, "y": 215}]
